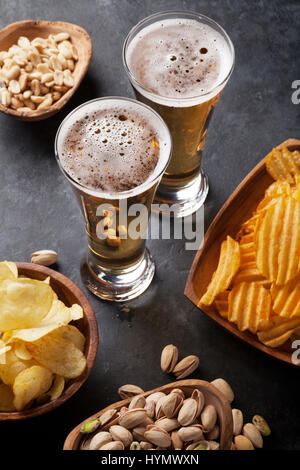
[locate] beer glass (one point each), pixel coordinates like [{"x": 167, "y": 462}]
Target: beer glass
[
  {"x": 184, "y": 182},
  {"x": 117, "y": 265}
]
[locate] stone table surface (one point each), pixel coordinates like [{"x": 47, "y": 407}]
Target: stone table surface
[{"x": 38, "y": 211}]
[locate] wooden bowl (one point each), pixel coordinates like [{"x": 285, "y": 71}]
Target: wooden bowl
[
  {"x": 237, "y": 209},
  {"x": 32, "y": 29},
  {"x": 69, "y": 293},
  {"x": 212, "y": 397}
]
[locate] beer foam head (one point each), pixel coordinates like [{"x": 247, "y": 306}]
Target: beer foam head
[
  {"x": 113, "y": 145},
  {"x": 179, "y": 59}
]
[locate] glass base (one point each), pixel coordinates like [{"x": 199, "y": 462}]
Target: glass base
[
  {"x": 187, "y": 199},
  {"x": 118, "y": 287}
]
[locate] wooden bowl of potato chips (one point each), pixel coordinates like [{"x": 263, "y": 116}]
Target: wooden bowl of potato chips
[{"x": 49, "y": 340}]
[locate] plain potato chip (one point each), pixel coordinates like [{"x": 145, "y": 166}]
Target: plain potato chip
[
  {"x": 12, "y": 367},
  {"x": 24, "y": 302},
  {"x": 72, "y": 333},
  {"x": 249, "y": 306},
  {"x": 57, "y": 388},
  {"x": 228, "y": 265},
  {"x": 59, "y": 355},
  {"x": 6, "y": 398},
  {"x": 286, "y": 298},
  {"x": 8, "y": 270},
  {"x": 30, "y": 384},
  {"x": 21, "y": 351}
]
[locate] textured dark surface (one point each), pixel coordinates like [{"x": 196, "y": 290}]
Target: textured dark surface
[{"x": 38, "y": 210}]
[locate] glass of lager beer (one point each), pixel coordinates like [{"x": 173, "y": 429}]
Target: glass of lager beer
[
  {"x": 114, "y": 151},
  {"x": 179, "y": 63}
]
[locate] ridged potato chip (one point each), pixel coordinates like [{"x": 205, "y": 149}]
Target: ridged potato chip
[
  {"x": 59, "y": 355},
  {"x": 221, "y": 303},
  {"x": 6, "y": 398},
  {"x": 24, "y": 302},
  {"x": 286, "y": 299},
  {"x": 249, "y": 306},
  {"x": 30, "y": 384},
  {"x": 279, "y": 333},
  {"x": 283, "y": 164},
  {"x": 228, "y": 265}
]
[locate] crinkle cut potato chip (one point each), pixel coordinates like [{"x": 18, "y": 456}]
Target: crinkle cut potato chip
[
  {"x": 59, "y": 355},
  {"x": 286, "y": 299},
  {"x": 221, "y": 303},
  {"x": 24, "y": 302},
  {"x": 30, "y": 384},
  {"x": 283, "y": 164},
  {"x": 249, "y": 306},
  {"x": 228, "y": 265},
  {"x": 278, "y": 241},
  {"x": 279, "y": 333}
]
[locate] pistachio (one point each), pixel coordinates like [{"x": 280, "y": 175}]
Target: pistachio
[
  {"x": 114, "y": 445},
  {"x": 138, "y": 401},
  {"x": 225, "y": 388},
  {"x": 107, "y": 416},
  {"x": 155, "y": 397},
  {"x": 132, "y": 418},
  {"x": 128, "y": 391},
  {"x": 135, "y": 446},
  {"x": 169, "y": 357},
  {"x": 158, "y": 436},
  {"x": 186, "y": 367},
  {"x": 191, "y": 433},
  {"x": 119, "y": 433},
  {"x": 179, "y": 392},
  {"x": 201, "y": 445},
  {"x": 261, "y": 424},
  {"x": 168, "y": 424},
  {"x": 213, "y": 445},
  {"x": 171, "y": 405},
  {"x": 176, "y": 441},
  {"x": 90, "y": 426},
  {"x": 242, "y": 443},
  {"x": 253, "y": 434},
  {"x": 214, "y": 433},
  {"x": 237, "y": 418},
  {"x": 145, "y": 445},
  {"x": 199, "y": 397},
  {"x": 138, "y": 432},
  {"x": 208, "y": 418},
  {"x": 44, "y": 257},
  {"x": 188, "y": 412},
  {"x": 150, "y": 408},
  {"x": 159, "y": 407},
  {"x": 99, "y": 439}
]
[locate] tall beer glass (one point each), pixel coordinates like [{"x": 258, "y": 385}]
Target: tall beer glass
[
  {"x": 179, "y": 63},
  {"x": 114, "y": 151}
]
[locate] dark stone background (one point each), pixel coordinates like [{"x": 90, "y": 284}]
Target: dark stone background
[{"x": 38, "y": 211}]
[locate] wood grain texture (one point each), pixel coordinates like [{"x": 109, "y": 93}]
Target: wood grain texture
[
  {"x": 212, "y": 397},
  {"x": 32, "y": 29},
  {"x": 236, "y": 210},
  {"x": 69, "y": 293}
]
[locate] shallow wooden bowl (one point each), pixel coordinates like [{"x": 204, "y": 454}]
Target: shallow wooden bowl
[
  {"x": 238, "y": 208},
  {"x": 69, "y": 293},
  {"x": 32, "y": 29},
  {"x": 212, "y": 397}
]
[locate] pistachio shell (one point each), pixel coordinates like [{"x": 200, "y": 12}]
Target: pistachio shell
[
  {"x": 213, "y": 445},
  {"x": 119, "y": 433},
  {"x": 186, "y": 367},
  {"x": 107, "y": 416},
  {"x": 158, "y": 437},
  {"x": 191, "y": 433},
  {"x": 261, "y": 424},
  {"x": 225, "y": 388},
  {"x": 171, "y": 405},
  {"x": 169, "y": 357},
  {"x": 242, "y": 443},
  {"x": 150, "y": 408},
  {"x": 145, "y": 445},
  {"x": 208, "y": 418},
  {"x": 213, "y": 434},
  {"x": 135, "y": 446},
  {"x": 132, "y": 418},
  {"x": 138, "y": 401},
  {"x": 237, "y": 419},
  {"x": 99, "y": 439},
  {"x": 114, "y": 445},
  {"x": 176, "y": 441},
  {"x": 128, "y": 391},
  {"x": 155, "y": 397},
  {"x": 138, "y": 432},
  {"x": 188, "y": 412},
  {"x": 44, "y": 257},
  {"x": 253, "y": 434},
  {"x": 200, "y": 445},
  {"x": 168, "y": 424},
  {"x": 199, "y": 397}
]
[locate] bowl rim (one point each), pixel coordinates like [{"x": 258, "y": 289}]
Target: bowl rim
[
  {"x": 90, "y": 353},
  {"x": 36, "y": 115},
  {"x": 71, "y": 440}
]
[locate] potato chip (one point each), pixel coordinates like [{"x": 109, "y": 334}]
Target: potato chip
[
  {"x": 24, "y": 302},
  {"x": 221, "y": 303},
  {"x": 286, "y": 298},
  {"x": 8, "y": 270},
  {"x": 72, "y": 333},
  {"x": 29, "y": 384},
  {"x": 21, "y": 351},
  {"x": 249, "y": 306},
  {"x": 76, "y": 312},
  {"x": 279, "y": 333},
  {"x": 59, "y": 355},
  {"x": 12, "y": 368},
  {"x": 228, "y": 265},
  {"x": 283, "y": 165},
  {"x": 3, "y": 350},
  {"x": 57, "y": 388},
  {"x": 6, "y": 398}
]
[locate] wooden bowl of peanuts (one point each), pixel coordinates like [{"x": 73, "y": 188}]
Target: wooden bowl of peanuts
[
  {"x": 42, "y": 63},
  {"x": 156, "y": 430}
]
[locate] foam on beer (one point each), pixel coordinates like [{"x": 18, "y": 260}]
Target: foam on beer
[
  {"x": 113, "y": 145},
  {"x": 178, "y": 59}
]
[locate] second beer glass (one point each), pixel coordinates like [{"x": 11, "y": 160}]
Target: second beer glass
[{"x": 178, "y": 63}]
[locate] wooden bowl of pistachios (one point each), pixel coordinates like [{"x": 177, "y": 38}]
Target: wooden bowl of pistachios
[{"x": 184, "y": 415}]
